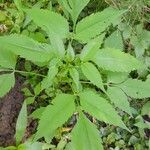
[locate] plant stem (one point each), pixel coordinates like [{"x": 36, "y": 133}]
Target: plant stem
[{"x": 25, "y": 72}]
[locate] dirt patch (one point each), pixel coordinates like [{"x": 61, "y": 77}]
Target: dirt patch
[{"x": 10, "y": 106}]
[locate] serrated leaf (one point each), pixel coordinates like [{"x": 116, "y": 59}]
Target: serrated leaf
[
  {"x": 114, "y": 60},
  {"x": 76, "y": 8},
  {"x": 95, "y": 24},
  {"x": 27, "y": 48},
  {"x": 118, "y": 97},
  {"x": 136, "y": 88},
  {"x": 91, "y": 48},
  {"x": 7, "y": 81},
  {"x": 92, "y": 74},
  {"x": 21, "y": 123},
  {"x": 100, "y": 108},
  {"x": 55, "y": 115},
  {"x": 51, "y": 22},
  {"x": 88, "y": 133},
  {"x": 7, "y": 59}
]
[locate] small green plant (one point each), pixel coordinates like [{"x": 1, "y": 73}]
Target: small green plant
[{"x": 88, "y": 83}]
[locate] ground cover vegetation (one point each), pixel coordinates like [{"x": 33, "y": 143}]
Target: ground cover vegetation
[{"x": 84, "y": 69}]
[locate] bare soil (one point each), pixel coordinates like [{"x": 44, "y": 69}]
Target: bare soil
[{"x": 10, "y": 106}]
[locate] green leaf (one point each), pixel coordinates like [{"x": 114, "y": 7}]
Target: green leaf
[
  {"x": 75, "y": 76},
  {"x": 30, "y": 100},
  {"x": 7, "y": 59},
  {"x": 37, "y": 89},
  {"x": 136, "y": 88},
  {"x": 9, "y": 148},
  {"x": 65, "y": 4},
  {"x": 140, "y": 41},
  {"x": 85, "y": 136},
  {"x": 26, "y": 48},
  {"x": 47, "y": 146},
  {"x": 51, "y": 22},
  {"x": 70, "y": 53},
  {"x": 7, "y": 81},
  {"x": 95, "y": 24},
  {"x": 21, "y": 123},
  {"x": 18, "y": 4},
  {"x": 118, "y": 97},
  {"x": 38, "y": 113},
  {"x": 91, "y": 48},
  {"x": 116, "y": 77},
  {"x": 114, "y": 60},
  {"x": 142, "y": 125},
  {"x": 76, "y": 8},
  {"x": 62, "y": 143},
  {"x": 92, "y": 74},
  {"x": 145, "y": 109},
  {"x": 69, "y": 146},
  {"x": 58, "y": 45},
  {"x": 3, "y": 16},
  {"x": 55, "y": 115},
  {"x": 100, "y": 108},
  {"x": 114, "y": 41},
  {"x": 48, "y": 81},
  {"x": 30, "y": 146}
]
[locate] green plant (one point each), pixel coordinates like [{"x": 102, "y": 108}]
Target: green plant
[{"x": 87, "y": 84}]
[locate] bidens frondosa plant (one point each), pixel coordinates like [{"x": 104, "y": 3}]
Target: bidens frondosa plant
[{"x": 95, "y": 80}]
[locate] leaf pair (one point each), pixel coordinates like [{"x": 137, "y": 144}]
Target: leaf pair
[
  {"x": 74, "y": 7},
  {"x": 63, "y": 107},
  {"x": 119, "y": 93},
  {"x": 86, "y": 29},
  {"x": 108, "y": 58},
  {"x": 7, "y": 61},
  {"x": 88, "y": 133}
]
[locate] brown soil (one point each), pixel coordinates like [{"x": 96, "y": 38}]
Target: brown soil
[{"x": 10, "y": 106}]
